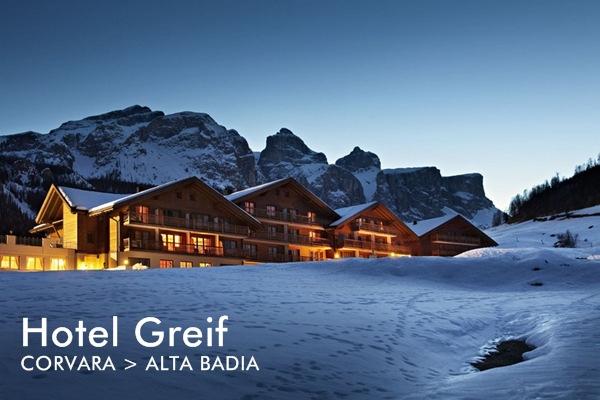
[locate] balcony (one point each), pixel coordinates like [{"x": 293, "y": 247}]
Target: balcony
[
  {"x": 208, "y": 251},
  {"x": 289, "y": 217},
  {"x": 185, "y": 223},
  {"x": 290, "y": 238},
  {"x": 456, "y": 239},
  {"x": 277, "y": 258},
  {"x": 374, "y": 246},
  {"x": 28, "y": 241},
  {"x": 375, "y": 228}
]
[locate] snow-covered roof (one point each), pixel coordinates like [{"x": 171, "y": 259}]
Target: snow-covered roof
[
  {"x": 427, "y": 225},
  {"x": 128, "y": 197},
  {"x": 85, "y": 200},
  {"x": 347, "y": 213},
  {"x": 245, "y": 192}
]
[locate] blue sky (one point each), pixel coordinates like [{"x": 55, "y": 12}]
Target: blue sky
[{"x": 508, "y": 89}]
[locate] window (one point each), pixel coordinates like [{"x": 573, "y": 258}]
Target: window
[
  {"x": 271, "y": 211},
  {"x": 312, "y": 217},
  {"x": 34, "y": 263},
  {"x": 9, "y": 262},
  {"x": 312, "y": 234},
  {"x": 293, "y": 213},
  {"x": 271, "y": 231},
  {"x": 185, "y": 264},
  {"x": 272, "y": 251},
  {"x": 142, "y": 213},
  {"x": 249, "y": 207},
  {"x": 249, "y": 250},
  {"x": 166, "y": 264},
  {"x": 204, "y": 265},
  {"x": 201, "y": 244},
  {"x": 57, "y": 264},
  {"x": 170, "y": 241}
]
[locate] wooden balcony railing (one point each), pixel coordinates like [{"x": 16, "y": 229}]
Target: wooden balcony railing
[
  {"x": 210, "y": 251},
  {"x": 29, "y": 241},
  {"x": 371, "y": 227},
  {"x": 369, "y": 245},
  {"x": 456, "y": 239},
  {"x": 289, "y": 217},
  {"x": 279, "y": 257},
  {"x": 290, "y": 238},
  {"x": 186, "y": 223}
]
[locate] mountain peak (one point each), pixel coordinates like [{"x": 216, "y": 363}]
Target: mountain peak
[
  {"x": 359, "y": 160},
  {"x": 126, "y": 112},
  {"x": 285, "y": 146}
]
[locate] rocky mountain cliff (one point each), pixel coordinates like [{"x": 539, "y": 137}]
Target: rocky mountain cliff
[{"x": 124, "y": 150}]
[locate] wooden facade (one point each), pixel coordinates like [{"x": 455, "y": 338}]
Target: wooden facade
[
  {"x": 371, "y": 230},
  {"x": 186, "y": 223},
  {"x": 294, "y": 222},
  {"x": 453, "y": 236}
]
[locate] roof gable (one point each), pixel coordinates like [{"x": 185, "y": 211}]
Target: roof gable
[
  {"x": 347, "y": 214},
  {"x": 254, "y": 191}
]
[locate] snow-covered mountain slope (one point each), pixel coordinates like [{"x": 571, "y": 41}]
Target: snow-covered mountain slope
[
  {"x": 353, "y": 329},
  {"x": 146, "y": 147},
  {"x": 542, "y": 232}
]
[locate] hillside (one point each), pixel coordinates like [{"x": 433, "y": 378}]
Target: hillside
[
  {"x": 543, "y": 231},
  {"x": 559, "y": 195}
]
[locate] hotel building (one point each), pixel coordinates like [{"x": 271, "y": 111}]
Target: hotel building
[{"x": 186, "y": 223}]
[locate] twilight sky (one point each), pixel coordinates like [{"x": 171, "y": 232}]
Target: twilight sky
[{"x": 508, "y": 89}]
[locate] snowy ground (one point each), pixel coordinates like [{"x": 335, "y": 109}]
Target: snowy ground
[
  {"x": 585, "y": 223},
  {"x": 356, "y": 329}
]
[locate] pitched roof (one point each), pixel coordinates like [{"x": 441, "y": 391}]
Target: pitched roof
[
  {"x": 347, "y": 213},
  {"x": 246, "y": 193},
  {"x": 427, "y": 225},
  {"x": 85, "y": 200},
  {"x": 98, "y": 202}
]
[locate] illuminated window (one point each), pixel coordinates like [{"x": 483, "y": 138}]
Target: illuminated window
[
  {"x": 249, "y": 207},
  {"x": 142, "y": 213},
  {"x": 34, "y": 263},
  {"x": 312, "y": 234},
  {"x": 166, "y": 263},
  {"x": 170, "y": 241},
  {"x": 312, "y": 217},
  {"x": 271, "y": 211},
  {"x": 201, "y": 244},
  {"x": 185, "y": 264},
  {"x": 9, "y": 262},
  {"x": 57, "y": 264},
  {"x": 204, "y": 265}
]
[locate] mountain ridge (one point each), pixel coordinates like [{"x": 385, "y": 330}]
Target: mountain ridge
[{"x": 138, "y": 146}]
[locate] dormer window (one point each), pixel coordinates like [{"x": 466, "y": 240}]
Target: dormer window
[{"x": 249, "y": 207}]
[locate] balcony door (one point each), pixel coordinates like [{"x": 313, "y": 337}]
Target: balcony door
[
  {"x": 202, "y": 244},
  {"x": 171, "y": 241}
]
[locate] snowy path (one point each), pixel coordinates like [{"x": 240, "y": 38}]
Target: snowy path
[{"x": 364, "y": 329}]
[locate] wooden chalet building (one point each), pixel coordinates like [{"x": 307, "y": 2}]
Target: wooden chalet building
[
  {"x": 449, "y": 235},
  {"x": 371, "y": 230},
  {"x": 183, "y": 223},
  {"x": 294, "y": 222},
  {"x": 186, "y": 223}
]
